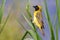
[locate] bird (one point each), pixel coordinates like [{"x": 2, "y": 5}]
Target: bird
[{"x": 38, "y": 18}]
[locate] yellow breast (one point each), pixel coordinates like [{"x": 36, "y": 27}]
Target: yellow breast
[{"x": 35, "y": 20}]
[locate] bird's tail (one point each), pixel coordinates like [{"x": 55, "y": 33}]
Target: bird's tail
[{"x": 42, "y": 31}]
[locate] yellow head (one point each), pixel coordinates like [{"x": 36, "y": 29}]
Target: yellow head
[{"x": 37, "y": 7}]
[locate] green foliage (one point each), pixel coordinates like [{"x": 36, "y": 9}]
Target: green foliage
[
  {"x": 2, "y": 9},
  {"x": 58, "y": 15},
  {"x": 28, "y": 9},
  {"x": 33, "y": 32},
  {"x": 29, "y": 22},
  {"x": 58, "y": 10},
  {"x": 1, "y": 14},
  {"x": 4, "y": 23},
  {"x": 49, "y": 21}
]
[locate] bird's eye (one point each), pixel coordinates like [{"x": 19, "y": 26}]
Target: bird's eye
[{"x": 36, "y": 6}]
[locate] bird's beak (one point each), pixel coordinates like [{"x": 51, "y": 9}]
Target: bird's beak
[{"x": 34, "y": 6}]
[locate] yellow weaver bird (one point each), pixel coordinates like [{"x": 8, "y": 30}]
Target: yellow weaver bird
[{"x": 38, "y": 19}]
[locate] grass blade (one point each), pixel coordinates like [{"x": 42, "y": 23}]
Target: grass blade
[
  {"x": 28, "y": 9},
  {"x": 33, "y": 34},
  {"x": 4, "y": 23},
  {"x": 49, "y": 21},
  {"x": 57, "y": 31},
  {"x": 28, "y": 22},
  {"x": 21, "y": 25},
  {"x": 38, "y": 37},
  {"x": 58, "y": 10},
  {"x": 58, "y": 15},
  {"x": 2, "y": 9},
  {"x": 1, "y": 14},
  {"x": 24, "y": 35}
]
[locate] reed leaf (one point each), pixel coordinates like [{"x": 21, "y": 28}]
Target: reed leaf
[
  {"x": 58, "y": 15},
  {"x": 49, "y": 21},
  {"x": 28, "y": 9},
  {"x": 28, "y": 22},
  {"x": 4, "y": 23},
  {"x": 2, "y": 9},
  {"x": 24, "y": 35},
  {"x": 21, "y": 24},
  {"x": 56, "y": 31},
  {"x": 58, "y": 11},
  {"x": 33, "y": 34}
]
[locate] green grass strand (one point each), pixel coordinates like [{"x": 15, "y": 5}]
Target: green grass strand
[{"x": 49, "y": 22}]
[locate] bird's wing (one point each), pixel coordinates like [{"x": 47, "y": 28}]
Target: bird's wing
[
  {"x": 39, "y": 16},
  {"x": 40, "y": 19}
]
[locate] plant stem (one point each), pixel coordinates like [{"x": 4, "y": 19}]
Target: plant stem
[{"x": 38, "y": 37}]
